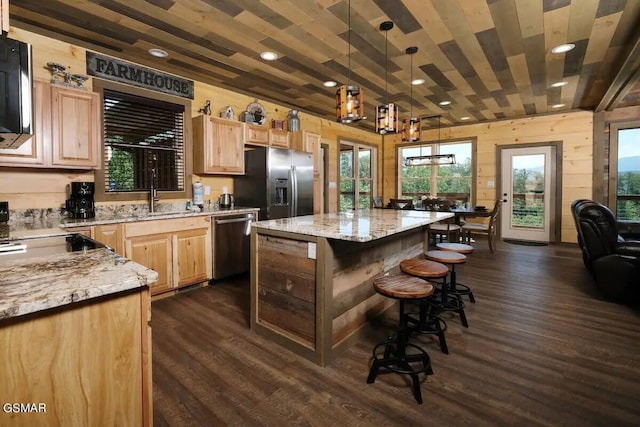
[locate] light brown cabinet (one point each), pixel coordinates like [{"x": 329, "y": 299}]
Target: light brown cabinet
[
  {"x": 4, "y": 17},
  {"x": 153, "y": 252},
  {"x": 279, "y": 138},
  {"x": 256, "y": 135},
  {"x": 218, "y": 146},
  {"x": 74, "y": 128},
  {"x": 66, "y": 130},
  {"x": 90, "y": 363},
  {"x": 179, "y": 250},
  {"x": 309, "y": 142},
  {"x": 108, "y": 234}
]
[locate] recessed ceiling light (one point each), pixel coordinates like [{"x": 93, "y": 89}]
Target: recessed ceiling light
[
  {"x": 330, "y": 83},
  {"x": 444, "y": 103},
  {"x": 269, "y": 56},
  {"x": 557, "y": 105},
  {"x": 563, "y": 48},
  {"x": 559, "y": 84},
  {"x": 158, "y": 53},
  {"x": 417, "y": 82},
  {"x": 465, "y": 118}
]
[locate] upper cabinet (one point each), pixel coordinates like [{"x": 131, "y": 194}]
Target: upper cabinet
[
  {"x": 278, "y": 138},
  {"x": 4, "y": 17},
  {"x": 256, "y": 135},
  {"x": 309, "y": 142},
  {"x": 66, "y": 130},
  {"x": 218, "y": 146},
  {"x": 74, "y": 130}
]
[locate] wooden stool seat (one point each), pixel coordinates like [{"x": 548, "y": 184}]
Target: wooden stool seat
[
  {"x": 403, "y": 286},
  {"x": 424, "y": 268},
  {"x": 396, "y": 354},
  {"x": 461, "y": 248},
  {"x": 446, "y": 257}
]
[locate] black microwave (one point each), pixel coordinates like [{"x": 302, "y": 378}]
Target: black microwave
[{"x": 16, "y": 94}]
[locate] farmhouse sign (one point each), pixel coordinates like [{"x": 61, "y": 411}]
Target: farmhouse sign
[{"x": 126, "y": 72}]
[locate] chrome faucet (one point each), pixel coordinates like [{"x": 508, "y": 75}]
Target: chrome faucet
[{"x": 153, "y": 191}]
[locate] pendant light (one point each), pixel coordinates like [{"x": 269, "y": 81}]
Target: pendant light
[
  {"x": 349, "y": 99},
  {"x": 431, "y": 159},
  {"x": 387, "y": 114},
  {"x": 411, "y": 125}
]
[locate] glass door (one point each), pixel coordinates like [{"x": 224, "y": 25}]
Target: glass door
[
  {"x": 527, "y": 193},
  {"x": 357, "y": 176}
]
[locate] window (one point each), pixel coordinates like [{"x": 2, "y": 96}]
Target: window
[
  {"x": 357, "y": 176},
  {"x": 143, "y": 132},
  {"x": 453, "y": 182},
  {"x": 624, "y": 165}
]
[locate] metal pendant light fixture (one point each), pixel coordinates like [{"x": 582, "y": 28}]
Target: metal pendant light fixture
[
  {"x": 387, "y": 114},
  {"x": 431, "y": 159},
  {"x": 349, "y": 99},
  {"x": 411, "y": 125}
]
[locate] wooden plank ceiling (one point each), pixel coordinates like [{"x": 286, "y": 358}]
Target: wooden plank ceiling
[{"x": 491, "y": 58}]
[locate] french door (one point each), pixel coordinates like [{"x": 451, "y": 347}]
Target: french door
[
  {"x": 357, "y": 176},
  {"x": 528, "y": 208}
]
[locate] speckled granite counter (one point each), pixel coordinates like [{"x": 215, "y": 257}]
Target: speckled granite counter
[
  {"x": 36, "y": 284},
  {"x": 357, "y": 226},
  {"x": 311, "y": 276},
  {"x": 54, "y": 224}
]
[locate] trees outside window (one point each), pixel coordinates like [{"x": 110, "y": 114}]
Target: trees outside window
[{"x": 452, "y": 182}]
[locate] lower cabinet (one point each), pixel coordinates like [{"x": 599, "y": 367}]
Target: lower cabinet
[
  {"x": 179, "y": 250},
  {"x": 87, "y": 364},
  {"x": 153, "y": 252}
]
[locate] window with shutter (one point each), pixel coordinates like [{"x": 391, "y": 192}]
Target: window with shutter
[{"x": 142, "y": 132}]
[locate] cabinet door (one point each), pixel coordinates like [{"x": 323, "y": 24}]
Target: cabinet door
[
  {"x": 279, "y": 138},
  {"x": 153, "y": 252},
  {"x": 311, "y": 143},
  {"x": 32, "y": 152},
  {"x": 191, "y": 249},
  {"x": 256, "y": 135},
  {"x": 110, "y": 235},
  {"x": 228, "y": 147},
  {"x": 4, "y": 17},
  {"x": 74, "y": 128},
  {"x": 85, "y": 231}
]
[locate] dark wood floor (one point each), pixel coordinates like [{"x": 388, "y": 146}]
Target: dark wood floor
[{"x": 541, "y": 349}]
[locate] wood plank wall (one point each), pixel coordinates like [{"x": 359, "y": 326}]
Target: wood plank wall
[
  {"x": 29, "y": 188},
  {"x": 574, "y": 129}
]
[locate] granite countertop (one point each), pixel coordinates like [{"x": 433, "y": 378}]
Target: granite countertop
[
  {"x": 116, "y": 217},
  {"x": 357, "y": 226},
  {"x": 53, "y": 225},
  {"x": 35, "y": 284}
]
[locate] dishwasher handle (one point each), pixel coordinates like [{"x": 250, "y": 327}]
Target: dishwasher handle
[{"x": 229, "y": 221}]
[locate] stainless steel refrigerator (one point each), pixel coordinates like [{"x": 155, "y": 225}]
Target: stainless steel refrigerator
[{"x": 276, "y": 180}]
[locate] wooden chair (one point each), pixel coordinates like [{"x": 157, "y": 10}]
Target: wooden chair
[
  {"x": 484, "y": 228},
  {"x": 440, "y": 229}
]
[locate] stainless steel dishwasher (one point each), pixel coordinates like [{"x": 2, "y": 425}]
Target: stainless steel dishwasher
[{"x": 231, "y": 244}]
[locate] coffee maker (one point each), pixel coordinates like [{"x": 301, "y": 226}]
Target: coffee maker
[{"x": 80, "y": 202}]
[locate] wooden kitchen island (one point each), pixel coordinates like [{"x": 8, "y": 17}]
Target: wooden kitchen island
[
  {"x": 75, "y": 340},
  {"x": 311, "y": 276}
]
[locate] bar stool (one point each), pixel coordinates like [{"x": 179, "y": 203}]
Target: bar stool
[
  {"x": 428, "y": 322},
  {"x": 395, "y": 358},
  {"x": 447, "y": 299},
  {"x": 460, "y": 248}
]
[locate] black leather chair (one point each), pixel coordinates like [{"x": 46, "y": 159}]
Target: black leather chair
[{"x": 613, "y": 261}]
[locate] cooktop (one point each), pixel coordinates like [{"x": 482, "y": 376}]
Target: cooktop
[{"x": 11, "y": 250}]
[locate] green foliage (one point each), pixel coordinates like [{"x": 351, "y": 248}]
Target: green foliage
[
  {"x": 628, "y": 185},
  {"x": 418, "y": 180},
  {"x": 121, "y": 170}
]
